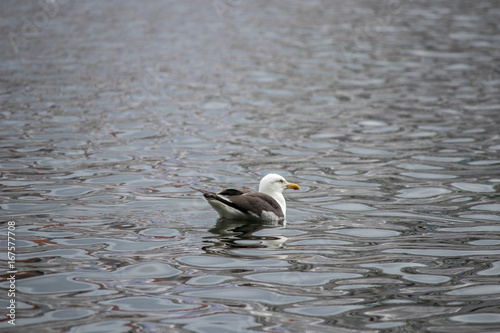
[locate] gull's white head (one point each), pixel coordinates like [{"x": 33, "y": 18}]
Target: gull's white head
[{"x": 273, "y": 184}]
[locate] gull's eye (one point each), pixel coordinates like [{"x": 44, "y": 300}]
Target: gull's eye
[{"x": 281, "y": 180}]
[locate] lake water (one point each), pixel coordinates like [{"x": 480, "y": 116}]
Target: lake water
[{"x": 386, "y": 113}]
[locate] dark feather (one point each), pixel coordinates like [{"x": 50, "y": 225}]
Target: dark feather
[
  {"x": 211, "y": 195},
  {"x": 256, "y": 203},
  {"x": 232, "y": 191},
  {"x": 245, "y": 201}
]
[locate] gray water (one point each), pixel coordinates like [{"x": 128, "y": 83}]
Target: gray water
[{"x": 386, "y": 113}]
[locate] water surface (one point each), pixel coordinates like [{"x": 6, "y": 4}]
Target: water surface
[{"x": 385, "y": 113}]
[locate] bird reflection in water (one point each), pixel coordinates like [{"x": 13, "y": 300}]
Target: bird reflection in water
[{"x": 233, "y": 234}]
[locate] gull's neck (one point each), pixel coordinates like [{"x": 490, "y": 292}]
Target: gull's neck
[{"x": 278, "y": 196}]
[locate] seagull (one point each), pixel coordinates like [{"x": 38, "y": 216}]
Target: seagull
[{"x": 268, "y": 204}]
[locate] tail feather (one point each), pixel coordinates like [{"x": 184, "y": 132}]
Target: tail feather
[
  {"x": 214, "y": 196},
  {"x": 206, "y": 194}
]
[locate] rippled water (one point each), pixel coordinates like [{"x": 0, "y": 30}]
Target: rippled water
[{"x": 385, "y": 113}]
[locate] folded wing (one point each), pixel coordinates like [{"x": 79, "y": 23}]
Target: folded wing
[{"x": 230, "y": 202}]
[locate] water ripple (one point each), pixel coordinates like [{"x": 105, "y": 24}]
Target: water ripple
[
  {"x": 386, "y": 120},
  {"x": 242, "y": 295}
]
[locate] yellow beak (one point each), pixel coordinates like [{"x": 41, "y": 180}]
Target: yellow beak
[{"x": 293, "y": 186}]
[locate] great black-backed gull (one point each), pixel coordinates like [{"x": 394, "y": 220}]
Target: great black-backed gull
[{"x": 268, "y": 204}]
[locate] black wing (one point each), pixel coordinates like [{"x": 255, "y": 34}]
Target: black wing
[
  {"x": 232, "y": 191},
  {"x": 215, "y": 196},
  {"x": 246, "y": 201},
  {"x": 256, "y": 203}
]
